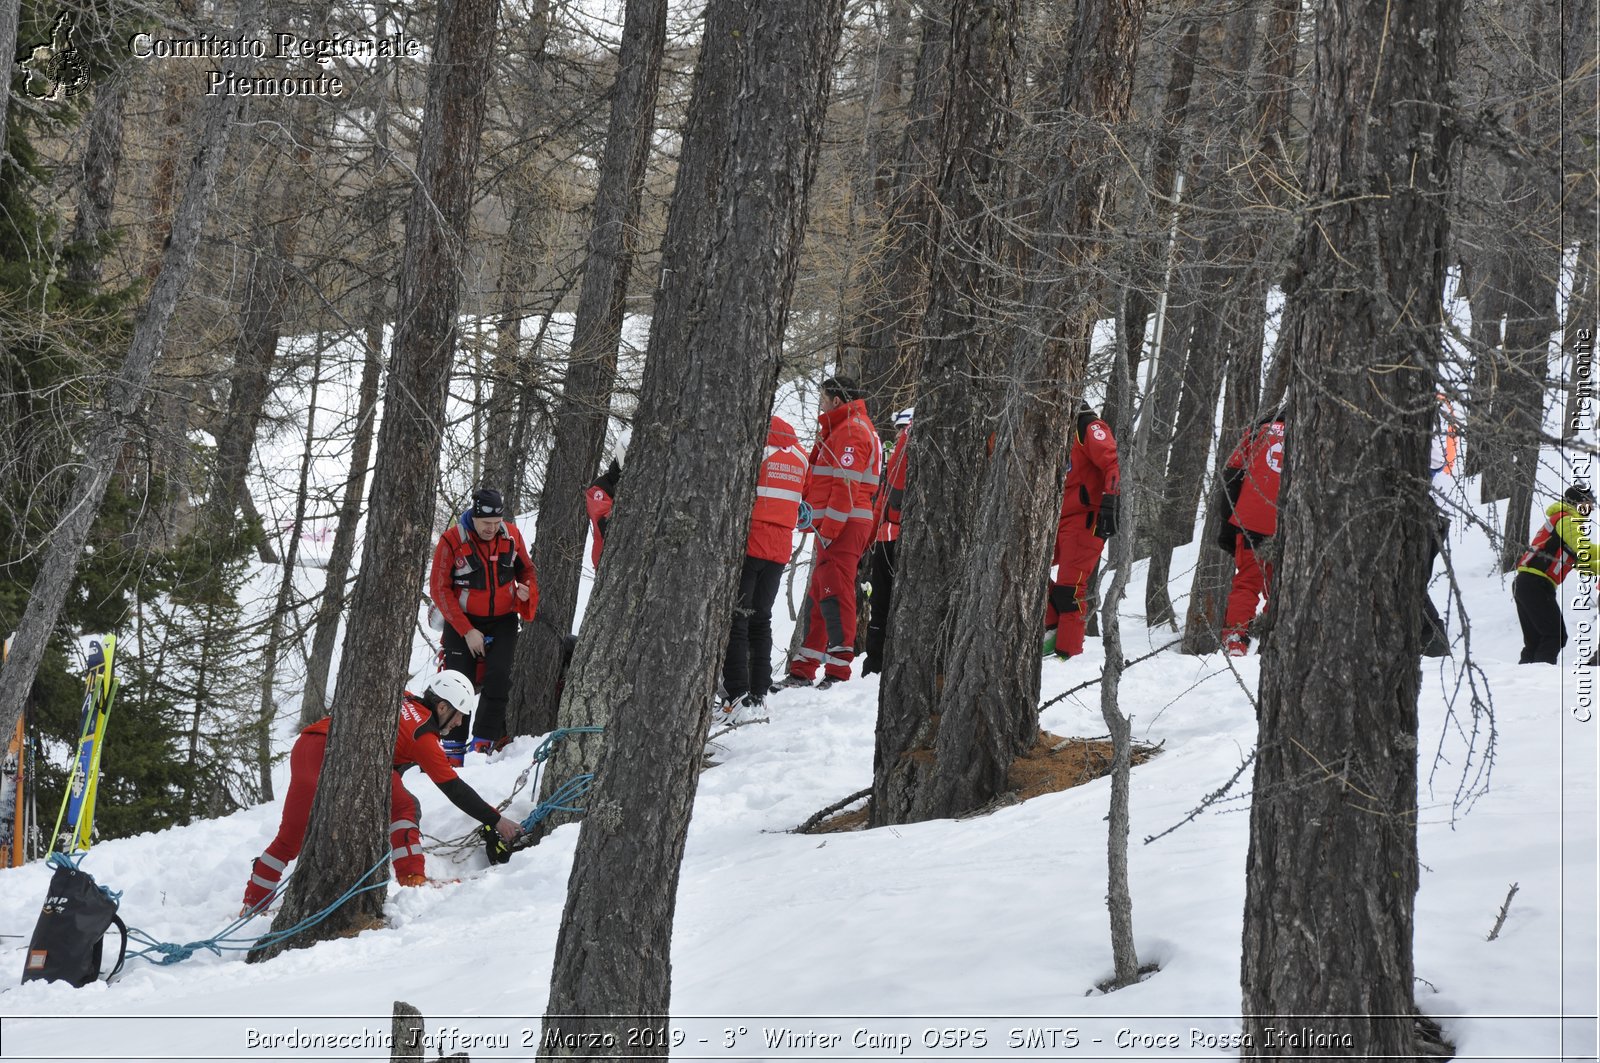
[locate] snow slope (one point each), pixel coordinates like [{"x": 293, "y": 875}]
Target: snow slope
[{"x": 903, "y": 942}]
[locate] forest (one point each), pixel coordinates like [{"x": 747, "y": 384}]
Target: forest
[{"x": 282, "y": 282}]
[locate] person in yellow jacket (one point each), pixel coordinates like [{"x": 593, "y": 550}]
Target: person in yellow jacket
[{"x": 1559, "y": 547}]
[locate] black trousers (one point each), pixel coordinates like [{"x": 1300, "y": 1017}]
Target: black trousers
[
  {"x": 880, "y": 573},
  {"x": 747, "y": 668},
  {"x": 494, "y": 690},
  {"x": 1543, "y": 630}
]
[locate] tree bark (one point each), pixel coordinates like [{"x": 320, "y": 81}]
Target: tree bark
[
  {"x": 881, "y": 347},
  {"x": 126, "y": 396},
  {"x": 347, "y": 832},
  {"x": 1332, "y": 865},
  {"x": 314, "y": 701},
  {"x": 267, "y": 711},
  {"x": 585, "y": 409},
  {"x": 961, "y": 357},
  {"x": 986, "y": 701},
  {"x": 102, "y": 159},
  {"x": 659, "y": 615}
]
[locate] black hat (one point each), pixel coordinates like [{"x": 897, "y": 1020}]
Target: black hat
[
  {"x": 1578, "y": 494},
  {"x": 487, "y": 502},
  {"x": 842, "y": 388}
]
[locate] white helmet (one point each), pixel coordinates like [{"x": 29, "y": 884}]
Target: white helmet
[{"x": 454, "y": 688}]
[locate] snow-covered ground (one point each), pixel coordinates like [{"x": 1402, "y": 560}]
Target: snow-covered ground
[{"x": 982, "y": 937}]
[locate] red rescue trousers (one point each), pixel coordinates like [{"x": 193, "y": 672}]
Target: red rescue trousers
[
  {"x": 1077, "y": 552},
  {"x": 1252, "y": 583},
  {"x": 305, "y": 764},
  {"x": 830, "y": 631}
]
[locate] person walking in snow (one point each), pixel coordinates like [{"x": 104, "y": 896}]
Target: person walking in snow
[
  {"x": 444, "y": 700},
  {"x": 1088, "y": 519},
  {"x": 598, "y": 499},
  {"x": 1559, "y": 547},
  {"x": 846, "y": 463},
  {"x": 880, "y": 561},
  {"x": 482, "y": 582},
  {"x": 1250, "y": 501},
  {"x": 780, "y": 484}
]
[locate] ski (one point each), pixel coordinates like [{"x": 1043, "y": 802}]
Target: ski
[{"x": 74, "y": 830}]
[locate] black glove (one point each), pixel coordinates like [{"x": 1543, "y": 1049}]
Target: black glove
[
  {"x": 1106, "y": 526},
  {"x": 494, "y": 846},
  {"x": 1227, "y": 538}
]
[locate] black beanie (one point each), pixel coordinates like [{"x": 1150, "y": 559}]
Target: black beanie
[{"x": 487, "y": 502}]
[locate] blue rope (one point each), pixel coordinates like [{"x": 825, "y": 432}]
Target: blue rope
[
  {"x": 72, "y": 861},
  {"x": 570, "y": 790},
  {"x": 168, "y": 953}
]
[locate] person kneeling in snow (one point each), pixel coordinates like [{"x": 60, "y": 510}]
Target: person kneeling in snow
[{"x": 447, "y": 697}]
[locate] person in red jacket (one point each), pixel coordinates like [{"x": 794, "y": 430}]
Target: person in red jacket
[
  {"x": 1250, "y": 484},
  {"x": 1088, "y": 518},
  {"x": 445, "y": 698},
  {"x": 880, "y": 564},
  {"x": 780, "y": 482},
  {"x": 482, "y": 582},
  {"x": 846, "y": 463},
  {"x": 598, "y": 499}
]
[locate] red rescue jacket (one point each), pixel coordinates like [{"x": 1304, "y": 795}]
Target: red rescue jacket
[
  {"x": 1092, "y": 470},
  {"x": 1257, "y": 464},
  {"x": 846, "y": 463},
  {"x": 891, "y": 493},
  {"x": 473, "y": 578},
  {"x": 780, "y": 487},
  {"x": 417, "y": 743}
]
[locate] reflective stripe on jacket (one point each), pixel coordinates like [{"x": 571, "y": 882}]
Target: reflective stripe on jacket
[
  {"x": 1560, "y": 546},
  {"x": 846, "y": 464},
  {"x": 780, "y": 488}
]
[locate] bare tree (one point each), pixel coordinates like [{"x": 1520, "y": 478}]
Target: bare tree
[
  {"x": 584, "y": 412},
  {"x": 1333, "y": 823},
  {"x": 346, "y": 835},
  {"x": 659, "y": 617},
  {"x": 127, "y": 395}
]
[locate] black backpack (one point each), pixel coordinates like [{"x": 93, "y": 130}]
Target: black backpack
[{"x": 69, "y": 936}]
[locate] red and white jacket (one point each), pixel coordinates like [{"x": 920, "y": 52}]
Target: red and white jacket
[
  {"x": 846, "y": 464},
  {"x": 780, "y": 486},
  {"x": 891, "y": 493},
  {"x": 1092, "y": 471},
  {"x": 474, "y": 578},
  {"x": 1257, "y": 469}
]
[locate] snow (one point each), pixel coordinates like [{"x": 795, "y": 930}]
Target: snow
[{"x": 936, "y": 930}]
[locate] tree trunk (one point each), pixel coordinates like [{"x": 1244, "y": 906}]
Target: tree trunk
[
  {"x": 102, "y": 160},
  {"x": 987, "y": 701},
  {"x": 283, "y": 603},
  {"x": 1151, "y": 268},
  {"x": 961, "y": 357},
  {"x": 347, "y": 833},
  {"x": 585, "y": 410},
  {"x": 126, "y": 396},
  {"x": 1119, "y": 896},
  {"x": 1332, "y": 866},
  {"x": 659, "y": 616},
  {"x": 314, "y": 701},
  {"x": 10, "y": 13},
  {"x": 880, "y": 349}
]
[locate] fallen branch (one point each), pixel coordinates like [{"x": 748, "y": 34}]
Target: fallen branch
[
  {"x": 1500, "y": 920},
  {"x": 1096, "y": 680},
  {"x": 805, "y": 828},
  {"x": 1210, "y": 799}
]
